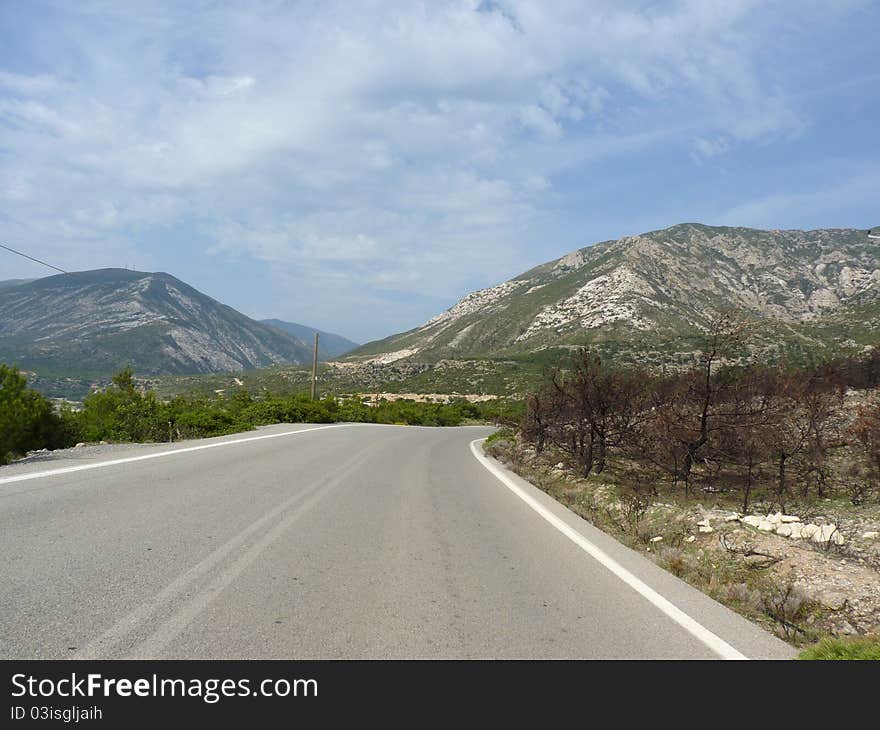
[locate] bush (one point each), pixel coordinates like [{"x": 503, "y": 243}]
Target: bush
[
  {"x": 123, "y": 413},
  {"x": 502, "y": 434},
  {"x": 27, "y": 419}
]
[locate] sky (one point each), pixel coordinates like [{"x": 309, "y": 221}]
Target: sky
[{"x": 359, "y": 166}]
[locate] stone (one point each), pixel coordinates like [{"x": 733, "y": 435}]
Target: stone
[
  {"x": 732, "y": 517},
  {"x": 784, "y": 530},
  {"x": 690, "y": 538},
  {"x": 659, "y": 538},
  {"x": 775, "y": 518},
  {"x": 789, "y": 518},
  {"x": 752, "y": 520},
  {"x": 703, "y": 523},
  {"x": 846, "y": 628},
  {"x": 832, "y": 599},
  {"x": 828, "y": 533},
  {"x": 870, "y": 535},
  {"x": 766, "y": 526},
  {"x": 80, "y": 445},
  {"x": 705, "y": 529},
  {"x": 807, "y": 531},
  {"x": 796, "y": 531}
]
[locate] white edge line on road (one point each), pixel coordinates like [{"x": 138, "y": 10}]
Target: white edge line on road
[
  {"x": 697, "y": 630},
  {"x": 157, "y": 455}
]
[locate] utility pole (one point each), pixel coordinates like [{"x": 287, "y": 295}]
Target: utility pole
[{"x": 315, "y": 369}]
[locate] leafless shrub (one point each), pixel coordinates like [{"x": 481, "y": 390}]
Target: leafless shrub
[
  {"x": 675, "y": 560},
  {"x": 771, "y": 435},
  {"x": 747, "y": 550},
  {"x": 633, "y": 507},
  {"x": 745, "y": 596},
  {"x": 784, "y": 605}
]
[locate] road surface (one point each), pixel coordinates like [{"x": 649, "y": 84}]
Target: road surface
[{"x": 347, "y": 541}]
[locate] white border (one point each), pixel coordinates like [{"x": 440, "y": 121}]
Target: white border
[
  {"x": 156, "y": 455},
  {"x": 695, "y": 629}
]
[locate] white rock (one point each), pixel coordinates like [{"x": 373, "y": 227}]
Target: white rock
[
  {"x": 703, "y": 523},
  {"x": 775, "y": 518},
  {"x": 784, "y": 530},
  {"x": 732, "y": 517},
  {"x": 796, "y": 530},
  {"x": 846, "y": 628},
  {"x": 828, "y": 533},
  {"x": 80, "y": 445},
  {"x": 766, "y": 526},
  {"x": 705, "y": 529},
  {"x": 690, "y": 538},
  {"x": 657, "y": 539},
  {"x": 560, "y": 465},
  {"x": 790, "y": 518},
  {"x": 807, "y": 531},
  {"x": 870, "y": 535},
  {"x": 752, "y": 520}
]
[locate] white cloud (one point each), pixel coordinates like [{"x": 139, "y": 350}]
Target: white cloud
[
  {"x": 710, "y": 147},
  {"x": 25, "y": 84},
  {"x": 411, "y": 144}
]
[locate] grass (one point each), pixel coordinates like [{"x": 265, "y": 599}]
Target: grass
[
  {"x": 864, "y": 648},
  {"x": 503, "y": 434}
]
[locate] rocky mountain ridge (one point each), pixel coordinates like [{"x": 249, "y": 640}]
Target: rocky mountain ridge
[
  {"x": 656, "y": 286},
  {"x": 97, "y": 321}
]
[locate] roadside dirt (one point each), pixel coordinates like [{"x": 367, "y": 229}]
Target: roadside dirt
[{"x": 801, "y": 589}]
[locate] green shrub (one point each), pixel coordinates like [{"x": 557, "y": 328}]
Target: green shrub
[
  {"x": 861, "y": 648},
  {"x": 27, "y": 419},
  {"x": 502, "y": 434},
  {"x": 123, "y": 413}
]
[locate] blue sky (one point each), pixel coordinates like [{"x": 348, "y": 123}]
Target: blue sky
[{"x": 359, "y": 166}]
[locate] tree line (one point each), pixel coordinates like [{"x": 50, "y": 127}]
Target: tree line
[
  {"x": 122, "y": 413},
  {"x": 739, "y": 428}
]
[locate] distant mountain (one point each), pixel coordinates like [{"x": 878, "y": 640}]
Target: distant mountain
[
  {"x": 650, "y": 293},
  {"x": 95, "y": 322},
  {"x": 329, "y": 344},
  {"x": 13, "y": 282}
]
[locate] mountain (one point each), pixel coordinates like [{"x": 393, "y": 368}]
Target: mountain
[
  {"x": 329, "y": 345},
  {"x": 94, "y": 322},
  {"x": 657, "y": 291},
  {"x": 13, "y": 282}
]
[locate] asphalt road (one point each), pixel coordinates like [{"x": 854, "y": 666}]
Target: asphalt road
[{"x": 349, "y": 541}]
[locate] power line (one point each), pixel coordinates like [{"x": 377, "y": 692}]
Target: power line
[{"x": 33, "y": 259}]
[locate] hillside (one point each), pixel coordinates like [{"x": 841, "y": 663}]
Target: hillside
[
  {"x": 649, "y": 296},
  {"x": 6, "y": 283},
  {"x": 93, "y": 322},
  {"x": 329, "y": 345}
]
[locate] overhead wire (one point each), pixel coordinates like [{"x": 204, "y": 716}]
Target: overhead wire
[{"x": 20, "y": 253}]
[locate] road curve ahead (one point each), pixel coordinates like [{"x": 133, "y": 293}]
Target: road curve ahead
[{"x": 349, "y": 541}]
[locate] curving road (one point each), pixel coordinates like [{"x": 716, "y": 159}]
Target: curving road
[{"x": 349, "y": 541}]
